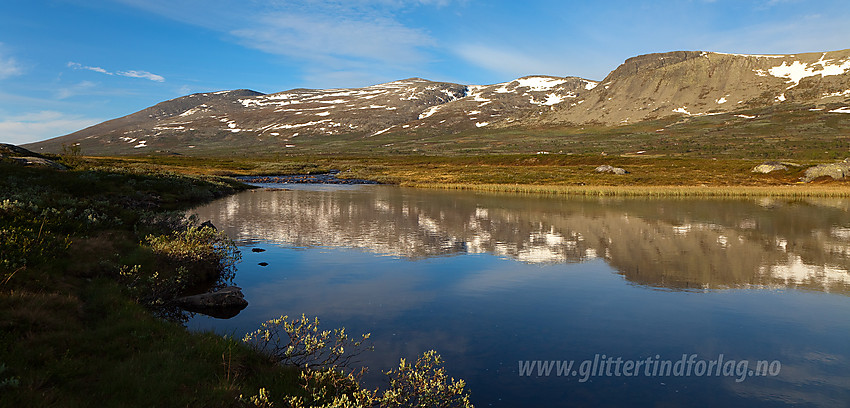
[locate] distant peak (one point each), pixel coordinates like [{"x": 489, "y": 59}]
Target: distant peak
[
  {"x": 746, "y": 55},
  {"x": 233, "y": 92}
]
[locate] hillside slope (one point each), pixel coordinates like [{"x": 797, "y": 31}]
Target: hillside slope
[
  {"x": 687, "y": 84},
  {"x": 695, "y": 83}
]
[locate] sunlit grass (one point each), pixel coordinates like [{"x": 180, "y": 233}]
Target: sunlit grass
[{"x": 651, "y": 191}]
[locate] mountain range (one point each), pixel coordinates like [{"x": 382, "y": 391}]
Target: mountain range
[{"x": 681, "y": 85}]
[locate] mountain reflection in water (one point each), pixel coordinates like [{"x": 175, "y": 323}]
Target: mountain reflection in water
[{"x": 679, "y": 244}]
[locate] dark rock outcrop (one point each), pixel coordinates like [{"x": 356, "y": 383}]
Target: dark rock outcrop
[{"x": 224, "y": 303}]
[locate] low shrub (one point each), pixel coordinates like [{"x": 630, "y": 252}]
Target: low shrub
[
  {"x": 328, "y": 381},
  {"x": 207, "y": 253},
  {"x": 299, "y": 342}
]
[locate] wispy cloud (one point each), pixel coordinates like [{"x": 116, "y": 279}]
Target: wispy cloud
[
  {"x": 130, "y": 74},
  {"x": 803, "y": 34},
  {"x": 771, "y": 3},
  {"x": 74, "y": 90},
  {"x": 9, "y": 67},
  {"x": 329, "y": 35},
  {"x": 76, "y": 65},
  {"x": 506, "y": 61},
  {"x": 335, "y": 39},
  {"x": 35, "y": 126},
  {"x": 142, "y": 74}
]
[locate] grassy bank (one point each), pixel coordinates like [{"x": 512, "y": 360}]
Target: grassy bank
[
  {"x": 73, "y": 333},
  {"x": 538, "y": 173},
  {"x": 91, "y": 260}
]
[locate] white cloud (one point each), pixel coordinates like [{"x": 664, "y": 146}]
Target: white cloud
[
  {"x": 131, "y": 73},
  {"x": 184, "y": 90},
  {"x": 771, "y": 3},
  {"x": 327, "y": 37},
  {"x": 335, "y": 39},
  {"x": 36, "y": 126},
  {"x": 76, "y": 65},
  {"x": 343, "y": 78},
  {"x": 142, "y": 74},
  {"x": 508, "y": 62},
  {"x": 74, "y": 90},
  {"x": 9, "y": 67},
  {"x": 814, "y": 33}
]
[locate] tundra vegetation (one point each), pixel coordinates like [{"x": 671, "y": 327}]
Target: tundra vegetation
[
  {"x": 525, "y": 173},
  {"x": 90, "y": 259}
]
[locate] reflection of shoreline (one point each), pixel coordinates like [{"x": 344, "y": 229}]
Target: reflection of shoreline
[{"x": 678, "y": 244}]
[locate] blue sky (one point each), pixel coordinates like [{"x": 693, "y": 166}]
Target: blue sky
[{"x": 69, "y": 64}]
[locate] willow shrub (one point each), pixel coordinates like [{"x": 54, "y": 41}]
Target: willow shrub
[
  {"x": 203, "y": 251},
  {"x": 192, "y": 258},
  {"x": 324, "y": 356}
]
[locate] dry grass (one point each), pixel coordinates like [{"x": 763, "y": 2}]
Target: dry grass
[
  {"x": 538, "y": 174},
  {"x": 652, "y": 191}
]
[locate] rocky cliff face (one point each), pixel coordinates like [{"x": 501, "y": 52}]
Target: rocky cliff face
[{"x": 695, "y": 83}]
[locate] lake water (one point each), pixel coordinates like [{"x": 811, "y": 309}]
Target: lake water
[{"x": 502, "y": 284}]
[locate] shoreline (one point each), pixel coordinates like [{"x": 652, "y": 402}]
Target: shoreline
[{"x": 802, "y": 191}]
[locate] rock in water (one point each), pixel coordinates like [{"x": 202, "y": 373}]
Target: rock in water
[
  {"x": 611, "y": 169},
  {"x": 224, "y": 303}
]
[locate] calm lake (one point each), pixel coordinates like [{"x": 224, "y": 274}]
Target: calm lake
[{"x": 511, "y": 289}]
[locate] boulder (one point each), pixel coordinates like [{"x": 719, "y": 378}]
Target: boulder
[
  {"x": 17, "y": 151},
  {"x": 34, "y": 161},
  {"x": 768, "y": 167},
  {"x": 837, "y": 171},
  {"x": 224, "y": 303},
  {"x": 611, "y": 169}
]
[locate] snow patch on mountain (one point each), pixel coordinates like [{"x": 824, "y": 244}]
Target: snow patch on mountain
[
  {"x": 299, "y": 125},
  {"x": 797, "y": 70},
  {"x": 432, "y": 110},
  {"x": 833, "y": 94},
  {"x": 502, "y": 88},
  {"x": 540, "y": 83},
  {"x": 192, "y": 111}
]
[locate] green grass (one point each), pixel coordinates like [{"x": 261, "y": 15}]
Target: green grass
[
  {"x": 96, "y": 347},
  {"x": 71, "y": 334},
  {"x": 86, "y": 321}
]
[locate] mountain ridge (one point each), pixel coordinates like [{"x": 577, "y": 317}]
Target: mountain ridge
[
  {"x": 692, "y": 83},
  {"x": 644, "y": 87}
]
